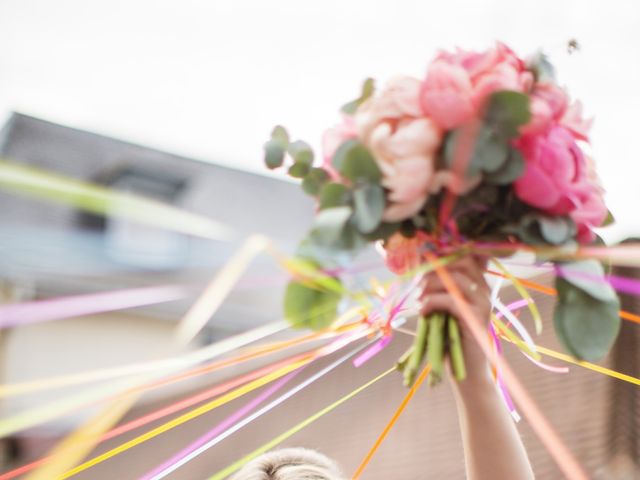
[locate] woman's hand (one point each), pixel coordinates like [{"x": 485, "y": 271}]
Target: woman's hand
[{"x": 468, "y": 275}]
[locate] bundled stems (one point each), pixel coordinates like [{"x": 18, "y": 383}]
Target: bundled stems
[
  {"x": 435, "y": 346},
  {"x": 455, "y": 350},
  {"x": 436, "y": 336},
  {"x": 416, "y": 354}
]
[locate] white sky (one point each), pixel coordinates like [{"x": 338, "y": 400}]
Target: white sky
[{"x": 208, "y": 79}]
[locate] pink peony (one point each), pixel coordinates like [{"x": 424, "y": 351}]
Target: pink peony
[
  {"x": 333, "y": 138},
  {"x": 457, "y": 84},
  {"x": 559, "y": 180},
  {"x": 404, "y": 144},
  {"x": 403, "y": 254}
]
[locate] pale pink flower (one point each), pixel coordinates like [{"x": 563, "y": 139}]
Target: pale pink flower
[{"x": 403, "y": 143}]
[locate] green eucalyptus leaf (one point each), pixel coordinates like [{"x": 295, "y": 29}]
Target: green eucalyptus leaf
[
  {"x": 490, "y": 154},
  {"x": 586, "y": 326},
  {"x": 610, "y": 220},
  {"x": 299, "y": 170},
  {"x": 510, "y": 171},
  {"x": 329, "y": 224},
  {"x": 556, "y": 230},
  {"x": 314, "y": 181},
  {"x": 542, "y": 68},
  {"x": 308, "y": 307},
  {"x": 355, "y": 162},
  {"x": 541, "y": 229},
  {"x": 382, "y": 232},
  {"x": 369, "y": 204},
  {"x": 273, "y": 154},
  {"x": 334, "y": 195},
  {"x": 280, "y": 134},
  {"x": 368, "y": 89},
  {"x": 588, "y": 276},
  {"x": 301, "y": 152},
  {"x": 506, "y": 111}
]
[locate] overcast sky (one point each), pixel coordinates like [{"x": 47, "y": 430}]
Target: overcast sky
[{"x": 209, "y": 78}]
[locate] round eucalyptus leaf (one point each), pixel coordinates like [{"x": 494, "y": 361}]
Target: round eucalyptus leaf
[
  {"x": 510, "y": 171},
  {"x": 368, "y": 89},
  {"x": 490, "y": 153},
  {"x": 308, "y": 307},
  {"x": 355, "y": 162},
  {"x": 314, "y": 180},
  {"x": 382, "y": 232},
  {"x": 334, "y": 195},
  {"x": 541, "y": 229},
  {"x": 588, "y": 276},
  {"x": 299, "y": 170},
  {"x": 369, "y": 205},
  {"x": 273, "y": 154},
  {"x": 586, "y": 326},
  {"x": 301, "y": 152},
  {"x": 329, "y": 225},
  {"x": 506, "y": 111},
  {"x": 280, "y": 134}
]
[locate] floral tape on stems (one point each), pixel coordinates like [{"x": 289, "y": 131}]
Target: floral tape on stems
[
  {"x": 228, "y": 427},
  {"x": 284, "y": 436},
  {"x": 392, "y": 422}
]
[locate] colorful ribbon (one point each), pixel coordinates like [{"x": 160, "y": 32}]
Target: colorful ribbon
[
  {"x": 27, "y": 313},
  {"x": 93, "y": 198},
  {"x": 222, "y": 474}
]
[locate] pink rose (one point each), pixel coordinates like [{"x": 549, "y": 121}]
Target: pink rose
[
  {"x": 403, "y": 143},
  {"x": 457, "y": 84},
  {"x": 333, "y": 138},
  {"x": 559, "y": 180},
  {"x": 403, "y": 254}
]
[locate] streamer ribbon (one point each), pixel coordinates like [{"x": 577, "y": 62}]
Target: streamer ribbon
[
  {"x": 292, "y": 431},
  {"x": 93, "y": 198}
]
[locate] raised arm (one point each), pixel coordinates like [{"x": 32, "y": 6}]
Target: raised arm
[{"x": 492, "y": 446}]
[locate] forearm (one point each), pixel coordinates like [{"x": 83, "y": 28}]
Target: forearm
[{"x": 493, "y": 448}]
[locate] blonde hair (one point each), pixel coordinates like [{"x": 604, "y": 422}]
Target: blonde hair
[{"x": 290, "y": 464}]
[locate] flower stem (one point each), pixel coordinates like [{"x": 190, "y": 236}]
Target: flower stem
[
  {"x": 417, "y": 352},
  {"x": 455, "y": 350},
  {"x": 435, "y": 347},
  {"x": 401, "y": 363}
]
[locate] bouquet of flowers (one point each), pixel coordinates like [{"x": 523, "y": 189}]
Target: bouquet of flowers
[{"x": 485, "y": 154}]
